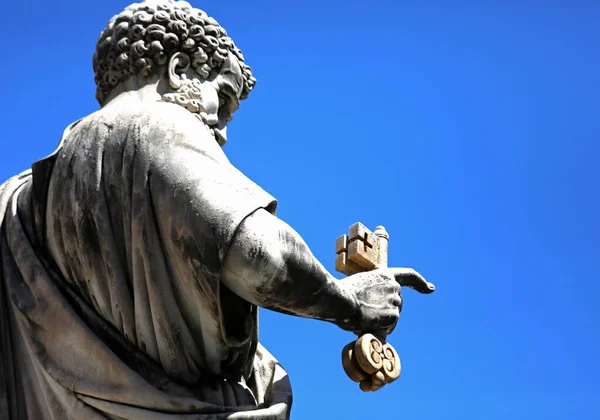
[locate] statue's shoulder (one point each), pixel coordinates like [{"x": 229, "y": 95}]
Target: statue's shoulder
[
  {"x": 155, "y": 116},
  {"x": 157, "y": 125}
]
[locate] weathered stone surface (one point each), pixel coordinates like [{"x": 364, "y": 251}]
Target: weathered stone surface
[{"x": 133, "y": 259}]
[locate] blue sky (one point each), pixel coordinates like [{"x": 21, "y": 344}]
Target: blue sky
[{"x": 469, "y": 129}]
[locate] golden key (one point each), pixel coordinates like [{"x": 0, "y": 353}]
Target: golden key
[{"x": 367, "y": 360}]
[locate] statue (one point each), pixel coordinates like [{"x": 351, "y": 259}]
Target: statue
[{"x": 133, "y": 259}]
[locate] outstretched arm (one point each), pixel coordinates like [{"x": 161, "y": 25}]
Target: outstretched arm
[
  {"x": 270, "y": 265},
  {"x": 213, "y": 216}
]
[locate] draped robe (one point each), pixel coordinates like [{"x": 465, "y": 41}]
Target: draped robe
[{"x": 111, "y": 304}]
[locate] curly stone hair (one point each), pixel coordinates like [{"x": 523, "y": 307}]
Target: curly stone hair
[{"x": 145, "y": 35}]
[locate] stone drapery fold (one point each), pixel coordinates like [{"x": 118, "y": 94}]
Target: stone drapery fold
[{"x": 111, "y": 304}]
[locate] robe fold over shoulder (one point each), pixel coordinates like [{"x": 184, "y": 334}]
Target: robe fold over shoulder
[{"x": 111, "y": 304}]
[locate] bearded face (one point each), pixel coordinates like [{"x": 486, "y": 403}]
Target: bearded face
[
  {"x": 222, "y": 97},
  {"x": 213, "y": 99}
]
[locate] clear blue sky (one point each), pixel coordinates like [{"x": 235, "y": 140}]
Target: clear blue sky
[{"x": 469, "y": 129}]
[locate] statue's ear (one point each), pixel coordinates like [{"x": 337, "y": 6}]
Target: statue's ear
[{"x": 178, "y": 65}]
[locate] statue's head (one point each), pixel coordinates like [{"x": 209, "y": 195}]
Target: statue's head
[{"x": 174, "y": 41}]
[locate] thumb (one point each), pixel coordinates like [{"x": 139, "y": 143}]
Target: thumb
[{"x": 412, "y": 279}]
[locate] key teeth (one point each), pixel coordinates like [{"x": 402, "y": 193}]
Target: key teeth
[
  {"x": 365, "y": 257},
  {"x": 345, "y": 266},
  {"x": 341, "y": 244},
  {"x": 361, "y": 249},
  {"x": 357, "y": 230}
]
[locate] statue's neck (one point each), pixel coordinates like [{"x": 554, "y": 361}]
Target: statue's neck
[{"x": 136, "y": 90}]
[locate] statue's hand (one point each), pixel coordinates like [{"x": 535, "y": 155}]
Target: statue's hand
[{"x": 378, "y": 299}]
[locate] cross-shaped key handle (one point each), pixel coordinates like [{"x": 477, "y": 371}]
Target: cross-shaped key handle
[{"x": 367, "y": 360}]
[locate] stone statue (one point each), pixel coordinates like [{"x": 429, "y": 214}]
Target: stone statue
[{"x": 133, "y": 259}]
